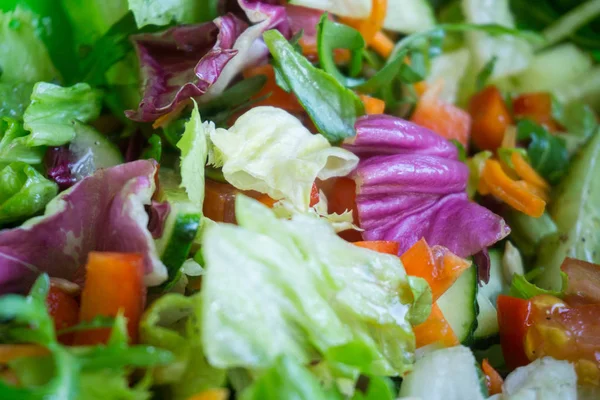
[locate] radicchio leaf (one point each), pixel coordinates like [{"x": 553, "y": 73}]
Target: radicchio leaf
[
  {"x": 410, "y": 185},
  {"x": 482, "y": 261},
  {"x": 58, "y": 166},
  {"x": 104, "y": 212}
]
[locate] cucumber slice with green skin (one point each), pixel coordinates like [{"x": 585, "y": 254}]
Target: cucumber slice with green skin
[
  {"x": 487, "y": 319},
  {"x": 91, "y": 151},
  {"x": 459, "y": 305},
  {"x": 577, "y": 215},
  {"x": 181, "y": 226}
]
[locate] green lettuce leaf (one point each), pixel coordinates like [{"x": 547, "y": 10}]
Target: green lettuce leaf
[
  {"x": 521, "y": 287},
  {"x": 164, "y": 12},
  {"x": 270, "y": 151},
  {"x": 23, "y": 192},
  {"x": 331, "y": 106},
  {"x": 277, "y": 287},
  {"x": 287, "y": 379},
  {"x": 53, "y": 109},
  {"x": 23, "y": 56},
  {"x": 14, "y": 98},
  {"x": 194, "y": 154},
  {"x": 173, "y": 323},
  {"x": 13, "y": 144},
  {"x": 91, "y": 19}
]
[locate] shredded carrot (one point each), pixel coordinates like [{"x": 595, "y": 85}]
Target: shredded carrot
[
  {"x": 382, "y": 44},
  {"x": 512, "y": 193},
  {"x": 9, "y": 352},
  {"x": 535, "y": 190},
  {"x": 527, "y": 173},
  {"x": 372, "y": 104},
  {"x": 490, "y": 118},
  {"x": 493, "y": 380},
  {"x": 164, "y": 120},
  {"x": 421, "y": 88},
  {"x": 370, "y": 28},
  {"x": 271, "y": 93},
  {"x": 509, "y": 140}
]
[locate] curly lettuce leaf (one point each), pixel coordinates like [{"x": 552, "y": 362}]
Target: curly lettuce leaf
[
  {"x": 50, "y": 116},
  {"x": 173, "y": 323},
  {"x": 13, "y": 144},
  {"x": 14, "y": 98},
  {"x": 270, "y": 151},
  {"x": 161, "y": 12},
  {"x": 23, "y": 56},
  {"x": 277, "y": 287},
  {"x": 23, "y": 192}
]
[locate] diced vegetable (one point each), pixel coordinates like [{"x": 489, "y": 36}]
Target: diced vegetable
[
  {"x": 113, "y": 284},
  {"x": 513, "y": 320},
  {"x": 545, "y": 378},
  {"x": 437, "y": 265},
  {"x": 584, "y": 281},
  {"x": 536, "y": 107},
  {"x": 487, "y": 294},
  {"x": 435, "y": 329},
  {"x": 275, "y": 95},
  {"x": 443, "y": 118},
  {"x": 64, "y": 310},
  {"x": 373, "y": 105},
  {"x": 459, "y": 305},
  {"x": 490, "y": 118}
]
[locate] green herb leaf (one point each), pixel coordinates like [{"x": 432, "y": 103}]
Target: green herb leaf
[
  {"x": 462, "y": 153},
  {"x": 547, "y": 153},
  {"x": 99, "y": 321},
  {"x": 332, "y": 108},
  {"x": 154, "y": 148},
  {"x": 332, "y": 35}
]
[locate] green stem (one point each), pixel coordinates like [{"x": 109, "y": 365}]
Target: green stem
[{"x": 571, "y": 21}]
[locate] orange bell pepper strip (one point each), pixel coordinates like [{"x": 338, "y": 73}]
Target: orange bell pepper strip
[
  {"x": 277, "y": 97},
  {"x": 443, "y": 118},
  {"x": 372, "y": 104},
  {"x": 527, "y": 173},
  {"x": 490, "y": 118},
  {"x": 435, "y": 329},
  {"x": 514, "y": 319},
  {"x": 114, "y": 283},
  {"x": 64, "y": 310},
  {"x": 370, "y": 28},
  {"x": 437, "y": 265},
  {"x": 9, "y": 352},
  {"x": 536, "y": 107},
  {"x": 512, "y": 193},
  {"x": 211, "y": 394},
  {"x": 493, "y": 380},
  {"x": 382, "y": 246}
]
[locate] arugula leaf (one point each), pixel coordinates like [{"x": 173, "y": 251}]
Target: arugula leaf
[
  {"x": 520, "y": 287},
  {"x": 332, "y": 35},
  {"x": 484, "y": 75},
  {"x": 332, "y": 108},
  {"x": 547, "y": 153}
]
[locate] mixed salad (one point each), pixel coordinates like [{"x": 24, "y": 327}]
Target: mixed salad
[{"x": 302, "y": 199}]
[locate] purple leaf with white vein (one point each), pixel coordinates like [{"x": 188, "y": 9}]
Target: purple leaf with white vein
[
  {"x": 182, "y": 63},
  {"x": 104, "y": 212},
  {"x": 410, "y": 185}
]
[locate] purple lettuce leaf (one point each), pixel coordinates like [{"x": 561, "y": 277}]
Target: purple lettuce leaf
[
  {"x": 410, "y": 185},
  {"x": 104, "y": 212},
  {"x": 158, "y": 213},
  {"x": 182, "y": 62},
  {"x": 201, "y": 60}
]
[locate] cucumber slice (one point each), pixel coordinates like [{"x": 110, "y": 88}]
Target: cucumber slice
[
  {"x": 445, "y": 374},
  {"x": 91, "y": 151},
  {"x": 451, "y": 69},
  {"x": 459, "y": 305},
  {"x": 577, "y": 215},
  {"x": 181, "y": 226},
  {"x": 487, "y": 319}
]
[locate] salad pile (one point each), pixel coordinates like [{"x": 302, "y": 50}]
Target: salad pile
[{"x": 270, "y": 199}]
